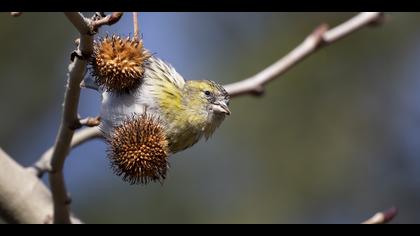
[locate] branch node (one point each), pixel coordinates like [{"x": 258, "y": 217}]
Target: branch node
[
  {"x": 68, "y": 200},
  {"x": 318, "y": 34},
  {"x": 90, "y": 121},
  {"x": 80, "y": 55},
  {"x": 98, "y": 16},
  {"x": 77, "y": 42},
  {"x": 75, "y": 125},
  {"x": 41, "y": 171},
  {"x": 258, "y": 91},
  {"x": 382, "y": 217},
  {"x": 99, "y": 19},
  {"x": 382, "y": 18}
]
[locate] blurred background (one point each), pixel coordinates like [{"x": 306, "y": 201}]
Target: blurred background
[{"x": 334, "y": 140}]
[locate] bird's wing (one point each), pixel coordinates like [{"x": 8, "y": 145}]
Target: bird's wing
[
  {"x": 158, "y": 69},
  {"x": 161, "y": 90}
]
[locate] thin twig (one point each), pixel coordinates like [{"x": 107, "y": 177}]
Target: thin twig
[
  {"x": 16, "y": 14},
  {"x": 382, "y": 217},
  {"x": 43, "y": 165},
  {"x": 135, "y": 25},
  {"x": 320, "y": 37},
  {"x": 107, "y": 20},
  {"x": 90, "y": 121}
]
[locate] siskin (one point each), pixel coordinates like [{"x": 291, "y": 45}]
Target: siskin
[{"x": 180, "y": 111}]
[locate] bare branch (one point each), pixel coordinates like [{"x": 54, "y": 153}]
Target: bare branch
[
  {"x": 79, "y": 22},
  {"x": 382, "y": 217},
  {"x": 30, "y": 202},
  {"x": 352, "y": 25},
  {"x": 69, "y": 118},
  {"x": 44, "y": 163},
  {"x": 135, "y": 25},
  {"x": 16, "y": 14},
  {"x": 107, "y": 20},
  {"x": 90, "y": 121},
  {"x": 320, "y": 37}
]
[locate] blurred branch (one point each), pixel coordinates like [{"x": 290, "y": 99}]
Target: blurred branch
[
  {"x": 320, "y": 37},
  {"x": 382, "y": 217},
  {"x": 16, "y": 14},
  {"x": 44, "y": 163},
  {"x": 69, "y": 117},
  {"x": 26, "y": 199}
]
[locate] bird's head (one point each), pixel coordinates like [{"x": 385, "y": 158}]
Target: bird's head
[
  {"x": 208, "y": 97},
  {"x": 206, "y": 103}
]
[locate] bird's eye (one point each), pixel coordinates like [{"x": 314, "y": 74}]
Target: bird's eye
[{"x": 207, "y": 93}]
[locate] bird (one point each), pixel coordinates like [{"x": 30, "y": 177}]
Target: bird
[
  {"x": 189, "y": 110},
  {"x": 148, "y": 110}
]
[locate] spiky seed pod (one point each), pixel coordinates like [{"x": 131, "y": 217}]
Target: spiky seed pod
[
  {"x": 138, "y": 150},
  {"x": 118, "y": 64}
]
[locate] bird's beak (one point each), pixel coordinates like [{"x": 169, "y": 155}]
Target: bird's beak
[{"x": 221, "y": 107}]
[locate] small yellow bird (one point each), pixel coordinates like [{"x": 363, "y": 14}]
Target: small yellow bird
[
  {"x": 188, "y": 110},
  {"x": 148, "y": 111}
]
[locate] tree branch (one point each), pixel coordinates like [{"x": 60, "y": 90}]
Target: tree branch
[
  {"x": 320, "y": 37},
  {"x": 135, "y": 26},
  {"x": 44, "y": 163},
  {"x": 382, "y": 217},
  {"x": 26, "y": 199},
  {"x": 107, "y": 20},
  {"x": 87, "y": 121},
  {"x": 90, "y": 121},
  {"x": 69, "y": 119},
  {"x": 82, "y": 24},
  {"x": 16, "y": 14}
]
